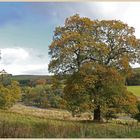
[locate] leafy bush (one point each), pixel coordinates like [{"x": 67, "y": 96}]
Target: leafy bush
[
  {"x": 9, "y": 94},
  {"x": 43, "y": 96},
  {"x": 137, "y": 115}
]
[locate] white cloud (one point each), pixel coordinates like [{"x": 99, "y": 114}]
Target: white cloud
[
  {"x": 108, "y": 8},
  {"x": 23, "y": 61},
  {"x": 13, "y": 55},
  {"x": 131, "y": 16},
  {"x": 127, "y": 12},
  {"x": 136, "y": 65}
]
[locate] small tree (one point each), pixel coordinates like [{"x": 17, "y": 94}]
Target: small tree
[{"x": 9, "y": 95}]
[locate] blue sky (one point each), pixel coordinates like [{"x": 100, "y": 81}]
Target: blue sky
[{"x": 26, "y": 29}]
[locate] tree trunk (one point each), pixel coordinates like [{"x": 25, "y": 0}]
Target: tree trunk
[{"x": 97, "y": 114}]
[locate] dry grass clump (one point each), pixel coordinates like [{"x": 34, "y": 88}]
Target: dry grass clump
[{"x": 48, "y": 113}]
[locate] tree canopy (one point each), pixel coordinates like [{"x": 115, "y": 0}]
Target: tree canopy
[{"x": 82, "y": 40}]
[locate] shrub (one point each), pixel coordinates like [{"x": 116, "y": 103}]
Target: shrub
[
  {"x": 9, "y": 95},
  {"x": 43, "y": 96},
  {"x": 137, "y": 115}
]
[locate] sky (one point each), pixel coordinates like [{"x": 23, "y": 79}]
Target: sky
[{"x": 26, "y": 29}]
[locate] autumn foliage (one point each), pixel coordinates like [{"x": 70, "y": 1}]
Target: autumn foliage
[
  {"x": 96, "y": 56},
  {"x": 9, "y": 94}
]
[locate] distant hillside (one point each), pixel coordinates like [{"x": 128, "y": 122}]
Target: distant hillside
[
  {"x": 25, "y": 79},
  {"x": 35, "y": 77},
  {"x": 30, "y": 77}
]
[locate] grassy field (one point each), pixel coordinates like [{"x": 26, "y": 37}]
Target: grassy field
[
  {"x": 134, "y": 89},
  {"x": 47, "y": 113},
  {"x": 24, "y": 124}
]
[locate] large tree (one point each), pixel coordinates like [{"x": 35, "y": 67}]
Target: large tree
[{"x": 106, "y": 44}]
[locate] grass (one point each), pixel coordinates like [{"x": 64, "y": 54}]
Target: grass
[
  {"x": 134, "y": 134},
  {"x": 24, "y": 124},
  {"x": 134, "y": 89},
  {"x": 58, "y": 114}
]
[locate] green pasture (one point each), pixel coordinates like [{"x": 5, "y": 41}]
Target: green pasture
[{"x": 134, "y": 89}]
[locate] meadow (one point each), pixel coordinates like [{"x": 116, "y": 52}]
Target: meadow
[
  {"x": 134, "y": 89},
  {"x": 20, "y": 125}
]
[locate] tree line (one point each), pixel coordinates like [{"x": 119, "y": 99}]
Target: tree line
[{"x": 134, "y": 79}]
